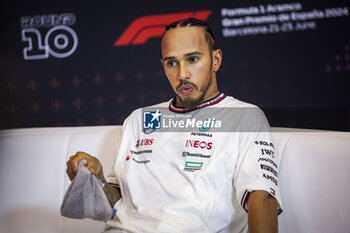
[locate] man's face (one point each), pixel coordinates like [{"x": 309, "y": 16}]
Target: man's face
[{"x": 188, "y": 65}]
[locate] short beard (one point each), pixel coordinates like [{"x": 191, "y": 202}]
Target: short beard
[{"x": 192, "y": 102}]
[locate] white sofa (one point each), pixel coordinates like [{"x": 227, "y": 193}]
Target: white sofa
[{"x": 314, "y": 178}]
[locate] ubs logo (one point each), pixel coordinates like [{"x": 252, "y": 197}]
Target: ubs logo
[{"x": 144, "y": 142}]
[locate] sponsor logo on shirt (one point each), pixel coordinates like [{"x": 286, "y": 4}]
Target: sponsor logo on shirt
[
  {"x": 263, "y": 143},
  {"x": 141, "y": 161},
  {"x": 202, "y": 134},
  {"x": 148, "y": 131},
  {"x": 198, "y": 155},
  {"x": 144, "y": 142},
  {"x": 135, "y": 153},
  {"x": 268, "y": 152},
  {"x": 137, "y": 160},
  {"x": 212, "y": 123},
  {"x": 269, "y": 161},
  {"x": 140, "y": 152},
  {"x": 273, "y": 192},
  {"x": 199, "y": 144},
  {"x": 268, "y": 168},
  {"x": 272, "y": 178},
  {"x": 192, "y": 166}
]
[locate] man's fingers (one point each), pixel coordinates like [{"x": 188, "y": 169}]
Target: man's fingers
[
  {"x": 70, "y": 173},
  {"x": 73, "y": 163},
  {"x": 71, "y": 177},
  {"x": 74, "y": 159},
  {"x": 81, "y": 155},
  {"x": 91, "y": 170}
]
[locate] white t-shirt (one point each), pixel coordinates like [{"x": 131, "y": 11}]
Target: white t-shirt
[{"x": 193, "y": 181}]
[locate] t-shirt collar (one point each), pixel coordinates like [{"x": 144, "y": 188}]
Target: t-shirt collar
[{"x": 207, "y": 103}]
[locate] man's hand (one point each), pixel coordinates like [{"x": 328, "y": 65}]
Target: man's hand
[
  {"x": 93, "y": 164},
  {"x": 262, "y": 213}
]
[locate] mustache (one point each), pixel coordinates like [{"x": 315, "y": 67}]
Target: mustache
[{"x": 185, "y": 82}]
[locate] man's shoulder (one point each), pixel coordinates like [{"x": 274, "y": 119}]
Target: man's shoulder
[
  {"x": 230, "y": 101},
  {"x": 250, "y": 114},
  {"x": 137, "y": 111}
]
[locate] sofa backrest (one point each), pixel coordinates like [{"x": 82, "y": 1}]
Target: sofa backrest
[{"x": 313, "y": 178}]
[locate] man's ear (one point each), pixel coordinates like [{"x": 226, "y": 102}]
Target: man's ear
[
  {"x": 217, "y": 59},
  {"x": 161, "y": 61}
]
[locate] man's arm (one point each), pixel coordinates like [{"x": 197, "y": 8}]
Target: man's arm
[
  {"x": 95, "y": 166},
  {"x": 262, "y": 213},
  {"x": 112, "y": 193}
]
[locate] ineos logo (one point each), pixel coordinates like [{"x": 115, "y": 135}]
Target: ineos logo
[
  {"x": 199, "y": 144},
  {"x": 60, "y": 41}
]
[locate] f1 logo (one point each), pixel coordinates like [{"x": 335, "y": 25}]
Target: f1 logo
[
  {"x": 146, "y": 27},
  {"x": 152, "y": 119}
]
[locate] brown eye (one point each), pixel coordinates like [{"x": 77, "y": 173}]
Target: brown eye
[
  {"x": 171, "y": 63},
  {"x": 192, "y": 59}
]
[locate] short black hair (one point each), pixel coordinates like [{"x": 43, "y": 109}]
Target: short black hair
[{"x": 193, "y": 22}]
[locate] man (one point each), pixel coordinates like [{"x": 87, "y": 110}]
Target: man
[{"x": 188, "y": 181}]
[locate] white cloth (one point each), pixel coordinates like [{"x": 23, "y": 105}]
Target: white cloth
[
  {"x": 85, "y": 197},
  {"x": 193, "y": 181}
]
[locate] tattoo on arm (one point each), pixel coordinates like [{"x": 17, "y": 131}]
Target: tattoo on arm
[{"x": 112, "y": 194}]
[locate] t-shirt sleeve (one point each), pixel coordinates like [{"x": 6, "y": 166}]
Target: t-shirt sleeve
[
  {"x": 127, "y": 137},
  {"x": 111, "y": 178},
  {"x": 257, "y": 165}
]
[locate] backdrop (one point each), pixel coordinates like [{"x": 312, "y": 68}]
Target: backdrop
[{"x": 68, "y": 63}]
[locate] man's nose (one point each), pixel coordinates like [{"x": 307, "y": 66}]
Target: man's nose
[{"x": 183, "y": 72}]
